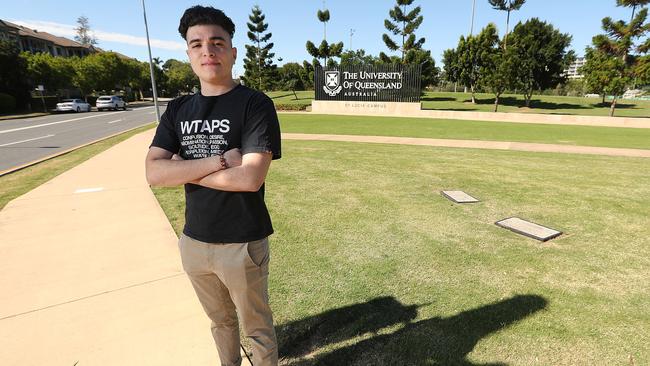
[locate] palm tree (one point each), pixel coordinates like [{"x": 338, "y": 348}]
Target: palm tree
[
  {"x": 510, "y": 5},
  {"x": 633, "y": 4}
]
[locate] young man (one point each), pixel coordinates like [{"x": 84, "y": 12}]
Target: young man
[{"x": 219, "y": 143}]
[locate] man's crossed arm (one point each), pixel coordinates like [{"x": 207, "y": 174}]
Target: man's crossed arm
[{"x": 239, "y": 174}]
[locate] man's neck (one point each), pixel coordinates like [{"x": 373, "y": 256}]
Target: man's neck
[{"x": 210, "y": 90}]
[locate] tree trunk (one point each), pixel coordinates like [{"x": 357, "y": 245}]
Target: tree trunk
[
  {"x": 603, "y": 98},
  {"x": 496, "y": 103},
  {"x": 528, "y": 97},
  {"x": 294, "y": 94},
  {"x": 473, "y": 98},
  {"x": 613, "y": 107}
]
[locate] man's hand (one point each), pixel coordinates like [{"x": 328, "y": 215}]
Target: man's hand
[{"x": 233, "y": 158}]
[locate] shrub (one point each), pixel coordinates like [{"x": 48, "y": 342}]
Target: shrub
[
  {"x": 291, "y": 107},
  {"x": 7, "y": 103}
]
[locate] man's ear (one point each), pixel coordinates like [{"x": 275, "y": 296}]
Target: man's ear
[{"x": 234, "y": 53}]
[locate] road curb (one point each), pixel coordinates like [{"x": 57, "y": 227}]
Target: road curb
[{"x": 21, "y": 167}]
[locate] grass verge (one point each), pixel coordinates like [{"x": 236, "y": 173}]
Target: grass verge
[
  {"x": 370, "y": 265},
  {"x": 18, "y": 183},
  {"x": 467, "y": 130}
]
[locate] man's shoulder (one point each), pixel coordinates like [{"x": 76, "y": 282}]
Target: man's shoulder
[
  {"x": 179, "y": 101},
  {"x": 253, "y": 95}
]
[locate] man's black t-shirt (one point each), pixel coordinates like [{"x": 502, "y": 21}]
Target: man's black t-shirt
[{"x": 198, "y": 126}]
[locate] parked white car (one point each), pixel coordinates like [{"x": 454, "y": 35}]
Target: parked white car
[
  {"x": 73, "y": 105},
  {"x": 110, "y": 102}
]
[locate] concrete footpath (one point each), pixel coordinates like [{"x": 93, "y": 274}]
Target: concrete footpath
[{"x": 91, "y": 273}]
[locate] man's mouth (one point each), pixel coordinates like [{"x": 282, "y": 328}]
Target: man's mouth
[{"x": 209, "y": 63}]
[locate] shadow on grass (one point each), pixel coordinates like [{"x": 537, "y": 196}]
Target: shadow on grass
[
  {"x": 282, "y": 96},
  {"x": 434, "y": 341},
  {"x": 618, "y": 105},
  {"x": 437, "y": 99}
]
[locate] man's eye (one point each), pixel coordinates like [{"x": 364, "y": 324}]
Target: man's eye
[{"x": 196, "y": 45}]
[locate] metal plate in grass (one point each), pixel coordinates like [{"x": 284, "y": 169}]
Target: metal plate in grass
[
  {"x": 459, "y": 197},
  {"x": 528, "y": 228}
]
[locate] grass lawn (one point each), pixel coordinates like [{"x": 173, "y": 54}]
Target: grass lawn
[
  {"x": 371, "y": 266},
  {"x": 467, "y": 130},
  {"x": 18, "y": 183},
  {"x": 509, "y": 103}
]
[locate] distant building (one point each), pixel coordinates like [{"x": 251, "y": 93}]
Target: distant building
[
  {"x": 31, "y": 40},
  {"x": 573, "y": 71}
]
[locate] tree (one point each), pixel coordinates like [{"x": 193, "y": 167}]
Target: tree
[
  {"x": 13, "y": 73},
  {"x": 84, "y": 35},
  {"x": 404, "y": 24},
  {"x": 473, "y": 54},
  {"x": 180, "y": 77},
  {"x": 612, "y": 64},
  {"x": 450, "y": 68},
  {"x": 258, "y": 64},
  {"x": 604, "y": 74},
  {"x": 497, "y": 74},
  {"x": 324, "y": 17},
  {"x": 541, "y": 56},
  {"x": 642, "y": 70},
  {"x": 51, "y": 71},
  {"x": 619, "y": 36},
  {"x": 359, "y": 57},
  {"x": 633, "y": 4},
  {"x": 290, "y": 77},
  {"x": 508, "y": 6},
  {"x": 325, "y": 50}
]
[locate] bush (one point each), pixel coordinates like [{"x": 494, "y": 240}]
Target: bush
[
  {"x": 291, "y": 107},
  {"x": 7, "y": 103}
]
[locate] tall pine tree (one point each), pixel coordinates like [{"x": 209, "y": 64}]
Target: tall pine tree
[
  {"x": 507, "y": 6},
  {"x": 259, "y": 69},
  {"x": 404, "y": 24},
  {"x": 325, "y": 50}
]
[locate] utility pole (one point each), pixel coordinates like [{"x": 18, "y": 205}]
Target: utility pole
[
  {"x": 153, "y": 78},
  {"x": 351, "y": 34},
  {"x": 471, "y": 29}
]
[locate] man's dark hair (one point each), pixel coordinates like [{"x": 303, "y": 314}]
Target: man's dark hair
[{"x": 205, "y": 15}]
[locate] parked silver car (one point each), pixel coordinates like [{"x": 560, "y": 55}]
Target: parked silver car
[
  {"x": 110, "y": 102},
  {"x": 72, "y": 105}
]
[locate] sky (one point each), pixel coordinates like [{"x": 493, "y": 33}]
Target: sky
[{"x": 119, "y": 26}]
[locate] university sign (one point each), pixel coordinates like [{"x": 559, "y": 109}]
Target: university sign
[{"x": 391, "y": 83}]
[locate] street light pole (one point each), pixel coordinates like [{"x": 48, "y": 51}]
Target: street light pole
[
  {"x": 153, "y": 78},
  {"x": 471, "y": 29}
]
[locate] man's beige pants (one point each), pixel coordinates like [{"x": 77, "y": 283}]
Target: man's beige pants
[{"x": 231, "y": 279}]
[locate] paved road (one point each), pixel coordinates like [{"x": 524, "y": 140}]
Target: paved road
[{"x": 26, "y": 140}]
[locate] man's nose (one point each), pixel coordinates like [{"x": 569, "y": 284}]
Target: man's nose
[{"x": 208, "y": 50}]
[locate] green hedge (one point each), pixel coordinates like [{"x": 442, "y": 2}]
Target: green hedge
[
  {"x": 7, "y": 103},
  {"x": 291, "y": 107}
]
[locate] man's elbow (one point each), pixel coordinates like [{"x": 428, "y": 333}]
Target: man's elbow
[
  {"x": 154, "y": 179},
  {"x": 253, "y": 185}
]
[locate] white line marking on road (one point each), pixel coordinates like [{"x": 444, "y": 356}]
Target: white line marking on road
[
  {"x": 117, "y": 120},
  {"x": 65, "y": 121},
  {"x": 18, "y": 142},
  {"x": 89, "y": 190},
  {"x": 152, "y": 112}
]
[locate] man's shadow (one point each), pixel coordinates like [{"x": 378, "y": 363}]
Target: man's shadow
[{"x": 434, "y": 341}]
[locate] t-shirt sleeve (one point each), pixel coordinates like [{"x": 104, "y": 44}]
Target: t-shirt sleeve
[
  {"x": 261, "y": 130},
  {"x": 166, "y": 136}
]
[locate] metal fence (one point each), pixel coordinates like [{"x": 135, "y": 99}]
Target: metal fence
[{"x": 387, "y": 83}]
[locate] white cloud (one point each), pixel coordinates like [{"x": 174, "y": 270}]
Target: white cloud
[{"x": 65, "y": 30}]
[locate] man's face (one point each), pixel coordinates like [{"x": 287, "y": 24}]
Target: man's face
[{"x": 211, "y": 54}]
